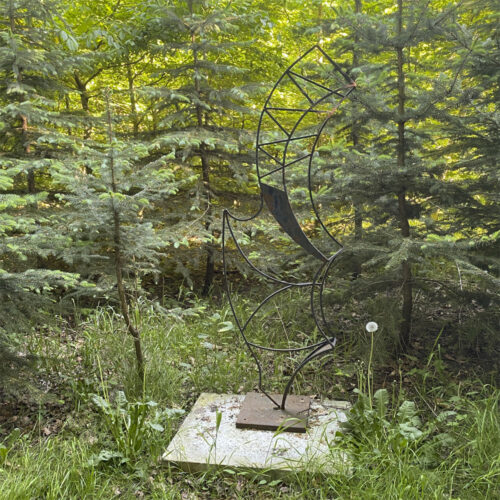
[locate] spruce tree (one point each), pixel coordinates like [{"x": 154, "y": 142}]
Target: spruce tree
[
  {"x": 201, "y": 109},
  {"x": 474, "y": 135},
  {"x": 394, "y": 164},
  {"x": 112, "y": 216},
  {"x": 32, "y": 143}
]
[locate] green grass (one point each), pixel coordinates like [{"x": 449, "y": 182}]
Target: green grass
[{"x": 446, "y": 447}]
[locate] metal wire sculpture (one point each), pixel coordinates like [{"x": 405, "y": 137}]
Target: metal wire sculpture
[{"x": 274, "y": 158}]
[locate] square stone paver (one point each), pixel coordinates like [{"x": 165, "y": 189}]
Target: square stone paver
[{"x": 198, "y": 444}]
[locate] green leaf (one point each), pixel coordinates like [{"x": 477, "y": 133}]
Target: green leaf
[{"x": 227, "y": 326}]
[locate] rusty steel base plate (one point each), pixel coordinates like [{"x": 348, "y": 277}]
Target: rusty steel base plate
[{"x": 259, "y": 412}]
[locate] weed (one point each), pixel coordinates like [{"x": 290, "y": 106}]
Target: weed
[
  {"x": 7, "y": 445},
  {"x": 131, "y": 424}
]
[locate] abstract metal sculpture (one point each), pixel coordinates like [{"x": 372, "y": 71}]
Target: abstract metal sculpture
[{"x": 279, "y": 147}]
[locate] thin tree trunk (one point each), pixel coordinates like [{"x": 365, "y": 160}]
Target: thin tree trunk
[
  {"x": 124, "y": 305},
  {"x": 407, "y": 289},
  {"x": 358, "y": 217},
  {"x": 30, "y": 176},
  {"x": 84, "y": 100},
  {"x": 68, "y": 109},
  {"x": 205, "y": 172},
  {"x": 131, "y": 93},
  {"x": 26, "y": 146},
  {"x": 210, "y": 260},
  {"x": 358, "y": 210}
]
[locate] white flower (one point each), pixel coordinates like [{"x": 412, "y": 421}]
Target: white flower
[{"x": 371, "y": 327}]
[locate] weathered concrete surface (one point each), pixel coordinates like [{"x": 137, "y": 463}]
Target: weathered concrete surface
[{"x": 198, "y": 444}]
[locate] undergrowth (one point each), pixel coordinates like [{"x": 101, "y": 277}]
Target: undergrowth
[{"x": 416, "y": 434}]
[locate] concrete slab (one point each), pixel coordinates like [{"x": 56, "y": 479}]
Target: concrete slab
[{"x": 198, "y": 444}]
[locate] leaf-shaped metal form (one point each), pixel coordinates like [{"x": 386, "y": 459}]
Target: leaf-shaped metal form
[{"x": 279, "y": 147}]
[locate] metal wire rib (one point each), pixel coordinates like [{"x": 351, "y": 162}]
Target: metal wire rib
[{"x": 317, "y": 285}]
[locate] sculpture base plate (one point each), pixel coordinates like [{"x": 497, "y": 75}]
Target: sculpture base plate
[
  {"x": 260, "y": 413},
  {"x": 199, "y": 444}
]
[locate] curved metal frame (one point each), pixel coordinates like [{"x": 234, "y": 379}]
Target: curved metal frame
[{"x": 283, "y": 213}]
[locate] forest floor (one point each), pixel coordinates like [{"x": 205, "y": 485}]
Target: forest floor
[{"x": 78, "y": 425}]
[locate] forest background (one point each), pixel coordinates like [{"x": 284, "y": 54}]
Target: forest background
[{"x": 126, "y": 127}]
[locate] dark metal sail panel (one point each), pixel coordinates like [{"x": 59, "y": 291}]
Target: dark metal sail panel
[{"x": 278, "y": 204}]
